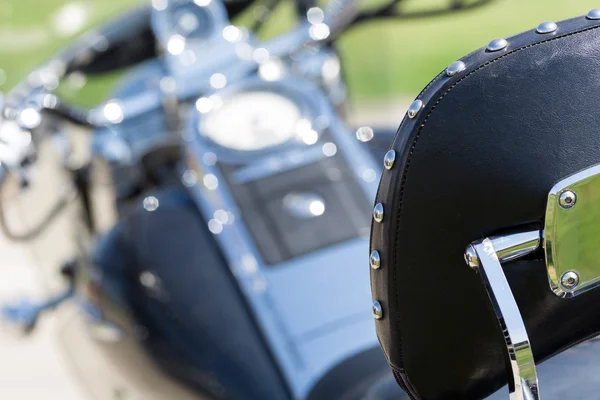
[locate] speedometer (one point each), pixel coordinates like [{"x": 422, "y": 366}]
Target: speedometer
[{"x": 251, "y": 121}]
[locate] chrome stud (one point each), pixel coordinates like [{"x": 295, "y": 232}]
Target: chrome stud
[
  {"x": 593, "y": 14},
  {"x": 377, "y": 310},
  {"x": 455, "y": 68},
  {"x": 388, "y": 160},
  {"x": 414, "y": 108},
  {"x": 569, "y": 280},
  {"x": 497, "y": 45},
  {"x": 567, "y": 199},
  {"x": 471, "y": 257},
  {"x": 375, "y": 259},
  {"x": 378, "y": 212},
  {"x": 546, "y": 27}
]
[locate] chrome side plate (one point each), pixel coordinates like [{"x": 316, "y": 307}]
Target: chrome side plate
[{"x": 572, "y": 234}]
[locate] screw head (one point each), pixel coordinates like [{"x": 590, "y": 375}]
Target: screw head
[
  {"x": 546, "y": 27},
  {"x": 378, "y": 212},
  {"x": 377, "y": 310},
  {"x": 414, "y": 108},
  {"x": 375, "y": 259},
  {"x": 497, "y": 45},
  {"x": 594, "y": 14},
  {"x": 388, "y": 160},
  {"x": 569, "y": 280},
  {"x": 455, "y": 68},
  {"x": 567, "y": 199}
]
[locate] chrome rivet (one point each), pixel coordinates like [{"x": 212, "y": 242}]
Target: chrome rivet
[
  {"x": 455, "y": 68},
  {"x": 377, "y": 310},
  {"x": 593, "y": 14},
  {"x": 569, "y": 280},
  {"x": 378, "y": 212},
  {"x": 414, "y": 108},
  {"x": 497, "y": 45},
  {"x": 546, "y": 27},
  {"x": 471, "y": 257},
  {"x": 388, "y": 160},
  {"x": 567, "y": 199},
  {"x": 375, "y": 259}
]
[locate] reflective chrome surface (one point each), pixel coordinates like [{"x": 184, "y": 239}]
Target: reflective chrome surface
[
  {"x": 569, "y": 280},
  {"x": 377, "y": 310},
  {"x": 388, "y": 160},
  {"x": 524, "y": 375},
  {"x": 414, "y": 108},
  {"x": 508, "y": 247},
  {"x": 272, "y": 291},
  {"x": 378, "y": 212},
  {"x": 567, "y": 199},
  {"x": 455, "y": 68},
  {"x": 593, "y": 14},
  {"x": 546, "y": 27},
  {"x": 497, "y": 45},
  {"x": 375, "y": 259},
  {"x": 571, "y": 239}
]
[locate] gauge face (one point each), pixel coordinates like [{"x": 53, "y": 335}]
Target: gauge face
[
  {"x": 252, "y": 121},
  {"x": 190, "y": 20}
]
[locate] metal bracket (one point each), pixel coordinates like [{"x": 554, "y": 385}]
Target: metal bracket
[
  {"x": 485, "y": 257},
  {"x": 571, "y": 234}
]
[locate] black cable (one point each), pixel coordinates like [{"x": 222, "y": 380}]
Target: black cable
[{"x": 40, "y": 227}]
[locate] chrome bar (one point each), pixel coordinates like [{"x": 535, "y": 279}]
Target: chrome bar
[{"x": 484, "y": 258}]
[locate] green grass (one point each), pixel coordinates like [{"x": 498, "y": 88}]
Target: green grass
[{"x": 382, "y": 59}]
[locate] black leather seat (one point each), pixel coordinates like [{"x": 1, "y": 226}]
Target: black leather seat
[{"x": 477, "y": 160}]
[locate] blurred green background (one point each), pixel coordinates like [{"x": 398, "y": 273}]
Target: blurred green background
[{"x": 383, "y": 59}]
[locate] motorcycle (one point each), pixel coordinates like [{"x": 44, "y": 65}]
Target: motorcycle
[
  {"x": 484, "y": 255},
  {"x": 215, "y": 209}
]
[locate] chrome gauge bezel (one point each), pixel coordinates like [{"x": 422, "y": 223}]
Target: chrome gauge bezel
[
  {"x": 162, "y": 10},
  {"x": 310, "y": 104}
]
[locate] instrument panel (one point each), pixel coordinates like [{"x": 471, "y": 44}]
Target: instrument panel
[
  {"x": 252, "y": 121},
  {"x": 255, "y": 117}
]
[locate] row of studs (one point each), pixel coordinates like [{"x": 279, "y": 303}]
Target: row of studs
[{"x": 417, "y": 105}]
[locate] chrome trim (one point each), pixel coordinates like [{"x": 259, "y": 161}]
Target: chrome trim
[
  {"x": 300, "y": 363},
  {"x": 389, "y": 159},
  {"x": 497, "y": 45},
  {"x": 375, "y": 260},
  {"x": 570, "y": 233},
  {"x": 215, "y": 10},
  {"x": 546, "y": 27},
  {"x": 524, "y": 383},
  {"x": 414, "y": 108},
  {"x": 377, "y": 310},
  {"x": 378, "y": 212},
  {"x": 593, "y": 14},
  {"x": 455, "y": 68},
  {"x": 508, "y": 247}
]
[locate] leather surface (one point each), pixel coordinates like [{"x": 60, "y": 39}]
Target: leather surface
[{"x": 479, "y": 159}]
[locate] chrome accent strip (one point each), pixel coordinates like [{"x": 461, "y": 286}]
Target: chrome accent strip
[
  {"x": 247, "y": 265},
  {"x": 516, "y": 245},
  {"x": 524, "y": 385},
  {"x": 276, "y": 164}
]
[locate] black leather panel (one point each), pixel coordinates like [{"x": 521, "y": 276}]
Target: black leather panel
[{"x": 480, "y": 157}]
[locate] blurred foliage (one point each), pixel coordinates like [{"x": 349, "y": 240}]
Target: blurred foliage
[
  {"x": 382, "y": 58},
  {"x": 32, "y": 30}
]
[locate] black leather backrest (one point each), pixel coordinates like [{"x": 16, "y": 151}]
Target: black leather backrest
[{"x": 479, "y": 158}]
